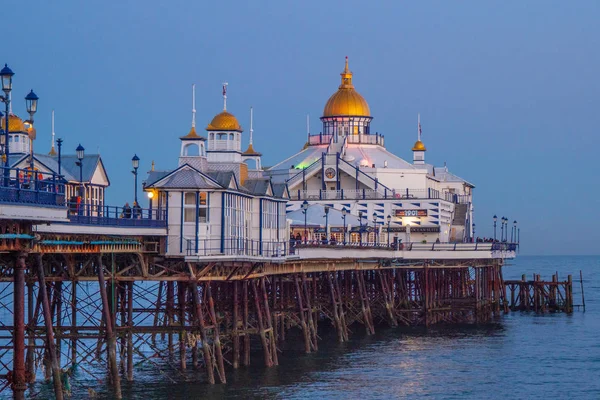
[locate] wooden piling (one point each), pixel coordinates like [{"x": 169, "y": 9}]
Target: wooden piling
[
  {"x": 217, "y": 339},
  {"x": 199, "y": 314},
  {"x": 261, "y": 327}
]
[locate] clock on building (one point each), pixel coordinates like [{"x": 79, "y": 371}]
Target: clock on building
[{"x": 330, "y": 173}]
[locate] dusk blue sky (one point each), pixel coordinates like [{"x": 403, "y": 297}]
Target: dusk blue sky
[{"x": 508, "y": 91}]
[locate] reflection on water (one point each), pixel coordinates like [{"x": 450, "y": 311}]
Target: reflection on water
[{"x": 521, "y": 356}]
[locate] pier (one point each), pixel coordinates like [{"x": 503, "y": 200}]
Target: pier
[{"x": 107, "y": 299}]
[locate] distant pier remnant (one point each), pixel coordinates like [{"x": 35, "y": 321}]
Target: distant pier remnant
[{"x": 540, "y": 296}]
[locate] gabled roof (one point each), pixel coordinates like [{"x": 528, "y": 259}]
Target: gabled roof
[
  {"x": 154, "y": 176},
  {"x": 225, "y": 178},
  {"x": 185, "y": 177},
  {"x": 281, "y": 190},
  {"x": 259, "y": 186},
  {"x": 69, "y": 169},
  {"x": 444, "y": 175}
]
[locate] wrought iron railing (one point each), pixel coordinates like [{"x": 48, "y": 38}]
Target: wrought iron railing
[
  {"x": 92, "y": 214},
  {"x": 381, "y": 194},
  {"x": 24, "y": 186}
]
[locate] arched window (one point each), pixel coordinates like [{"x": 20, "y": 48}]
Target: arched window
[
  {"x": 191, "y": 149},
  {"x": 231, "y": 137},
  {"x": 212, "y": 136}
]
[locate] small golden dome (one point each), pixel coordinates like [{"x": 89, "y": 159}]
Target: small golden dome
[
  {"x": 419, "y": 146},
  {"x": 15, "y": 124},
  {"x": 193, "y": 135},
  {"x": 224, "y": 121},
  {"x": 251, "y": 152},
  {"x": 346, "y": 101}
]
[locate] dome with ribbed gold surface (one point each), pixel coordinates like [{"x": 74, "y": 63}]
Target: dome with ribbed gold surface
[
  {"x": 15, "y": 124},
  {"x": 346, "y": 101},
  {"x": 224, "y": 121}
]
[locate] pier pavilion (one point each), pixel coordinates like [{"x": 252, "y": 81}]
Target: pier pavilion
[{"x": 347, "y": 166}]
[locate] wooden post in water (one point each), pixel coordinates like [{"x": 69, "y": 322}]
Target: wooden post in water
[
  {"x": 236, "y": 318},
  {"x": 261, "y": 327},
  {"x": 582, "y": 294},
  {"x": 130, "y": 331},
  {"x": 217, "y": 339},
  {"x": 246, "y": 359}
]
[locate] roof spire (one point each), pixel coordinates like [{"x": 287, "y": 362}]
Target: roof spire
[
  {"x": 152, "y": 165},
  {"x": 419, "y": 146},
  {"x": 251, "y": 130},
  {"x": 52, "y": 150},
  {"x": 419, "y": 127},
  {"x": 346, "y": 77},
  {"x": 225, "y": 96},
  {"x": 193, "y": 105}
]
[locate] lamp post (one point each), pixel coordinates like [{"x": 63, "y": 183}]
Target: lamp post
[
  {"x": 304, "y": 211},
  {"x": 31, "y": 101},
  {"x": 135, "y": 162},
  {"x": 513, "y": 236},
  {"x": 80, "y": 154},
  {"x": 6, "y": 75},
  {"x": 389, "y": 220},
  {"x": 326, "y": 224},
  {"x": 502, "y": 229},
  {"x": 344, "y": 212},
  {"x": 360, "y": 217},
  {"x": 495, "y": 219},
  {"x": 375, "y": 227},
  {"x": 473, "y": 231}
]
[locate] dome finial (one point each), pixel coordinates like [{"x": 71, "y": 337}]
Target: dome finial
[
  {"x": 52, "y": 150},
  {"x": 346, "y": 77},
  {"x": 225, "y": 96}
]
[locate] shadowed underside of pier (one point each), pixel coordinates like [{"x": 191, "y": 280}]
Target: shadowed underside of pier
[{"x": 101, "y": 313}]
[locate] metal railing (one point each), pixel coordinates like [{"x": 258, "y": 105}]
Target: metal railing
[
  {"x": 23, "y": 186},
  {"x": 363, "y": 138},
  {"x": 381, "y": 194},
  {"x": 302, "y": 173},
  {"x": 416, "y": 246},
  {"x": 236, "y": 247},
  {"x": 91, "y": 214}
]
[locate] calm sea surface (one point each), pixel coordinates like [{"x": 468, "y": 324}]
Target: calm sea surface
[{"x": 519, "y": 356}]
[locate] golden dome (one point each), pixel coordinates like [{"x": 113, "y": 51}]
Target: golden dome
[
  {"x": 346, "y": 101},
  {"x": 15, "y": 124},
  {"x": 419, "y": 146},
  {"x": 224, "y": 121}
]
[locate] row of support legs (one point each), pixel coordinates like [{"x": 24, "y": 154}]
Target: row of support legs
[{"x": 219, "y": 318}]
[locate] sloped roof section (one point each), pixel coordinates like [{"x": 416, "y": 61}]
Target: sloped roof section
[
  {"x": 185, "y": 177},
  {"x": 224, "y": 178},
  {"x": 258, "y": 187}
]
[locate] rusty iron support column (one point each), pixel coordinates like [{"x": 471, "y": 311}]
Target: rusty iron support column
[
  {"x": 158, "y": 306},
  {"x": 269, "y": 324},
  {"x": 18, "y": 373},
  {"x": 208, "y": 363},
  {"x": 366, "y": 309},
  {"x": 309, "y": 313},
  {"x": 129, "y": 331},
  {"x": 31, "y": 323},
  {"x": 334, "y": 303},
  {"x": 235, "y": 325},
  {"x": 307, "y": 341},
  {"x": 245, "y": 327},
  {"x": 261, "y": 326},
  {"x": 182, "y": 334},
  {"x": 217, "y": 339},
  {"x": 50, "y": 345},
  {"x": 169, "y": 312},
  {"x": 74, "y": 321},
  {"x": 111, "y": 341}
]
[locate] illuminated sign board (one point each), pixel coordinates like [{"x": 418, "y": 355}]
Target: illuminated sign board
[{"x": 410, "y": 213}]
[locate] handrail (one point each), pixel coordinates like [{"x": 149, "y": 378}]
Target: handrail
[
  {"x": 236, "y": 246},
  {"x": 18, "y": 185},
  {"x": 377, "y": 183},
  {"x": 304, "y": 171}
]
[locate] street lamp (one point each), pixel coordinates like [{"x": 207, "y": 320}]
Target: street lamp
[
  {"x": 473, "y": 231},
  {"x": 495, "y": 219},
  {"x": 135, "y": 162},
  {"x": 389, "y": 220},
  {"x": 80, "y": 154},
  {"x": 326, "y": 224},
  {"x": 344, "y": 212},
  {"x": 304, "y": 211},
  {"x": 31, "y": 101},
  {"x": 6, "y": 75},
  {"x": 360, "y": 217},
  {"x": 513, "y": 236},
  {"x": 375, "y": 227}
]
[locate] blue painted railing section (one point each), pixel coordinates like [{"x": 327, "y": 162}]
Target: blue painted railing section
[
  {"x": 23, "y": 186},
  {"x": 91, "y": 214}
]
